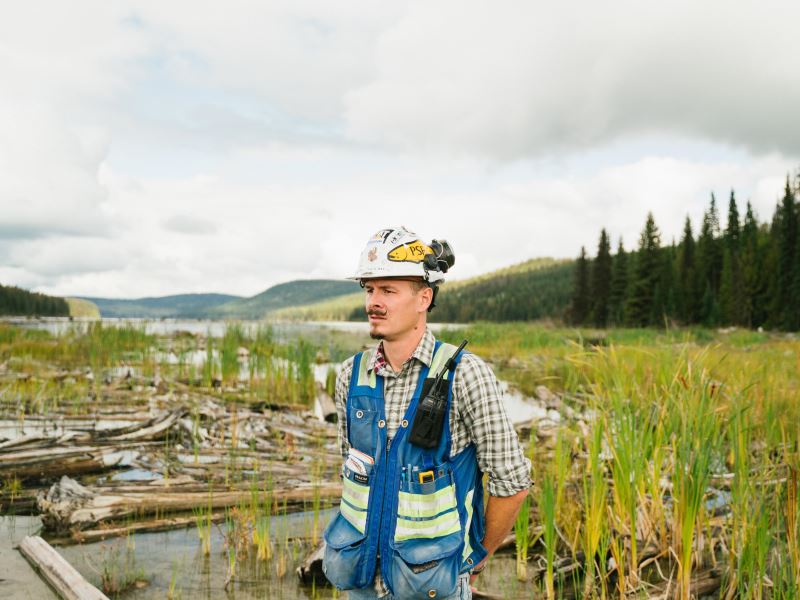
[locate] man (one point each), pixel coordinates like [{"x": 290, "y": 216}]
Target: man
[{"x": 411, "y": 522}]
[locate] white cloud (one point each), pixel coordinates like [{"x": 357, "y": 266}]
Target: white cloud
[
  {"x": 153, "y": 147},
  {"x": 189, "y": 224},
  {"x": 515, "y": 79},
  {"x": 58, "y": 64}
]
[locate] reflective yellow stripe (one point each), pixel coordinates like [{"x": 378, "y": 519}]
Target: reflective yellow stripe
[
  {"x": 426, "y": 505},
  {"x": 441, "y": 356},
  {"x": 357, "y": 495},
  {"x": 431, "y": 528},
  {"x": 365, "y": 377},
  {"x": 357, "y": 518},
  {"x": 467, "y": 545}
]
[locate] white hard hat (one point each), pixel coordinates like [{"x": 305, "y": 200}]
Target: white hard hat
[{"x": 399, "y": 252}]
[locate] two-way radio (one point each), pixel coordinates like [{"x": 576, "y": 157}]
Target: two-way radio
[{"x": 427, "y": 428}]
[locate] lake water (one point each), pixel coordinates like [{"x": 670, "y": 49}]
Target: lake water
[{"x": 216, "y": 328}]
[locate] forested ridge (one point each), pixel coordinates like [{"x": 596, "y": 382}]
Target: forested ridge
[
  {"x": 747, "y": 274},
  {"x": 15, "y": 301},
  {"x": 514, "y": 294}
]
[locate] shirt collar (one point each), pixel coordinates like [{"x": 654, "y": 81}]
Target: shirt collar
[{"x": 423, "y": 352}]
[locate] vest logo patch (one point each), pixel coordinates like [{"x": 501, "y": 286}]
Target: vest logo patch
[
  {"x": 361, "y": 478},
  {"x": 424, "y": 566}
]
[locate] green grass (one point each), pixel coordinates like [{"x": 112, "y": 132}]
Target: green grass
[{"x": 695, "y": 408}]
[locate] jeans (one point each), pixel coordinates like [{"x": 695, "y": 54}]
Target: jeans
[{"x": 463, "y": 592}]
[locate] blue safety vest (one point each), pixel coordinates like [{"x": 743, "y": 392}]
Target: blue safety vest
[{"x": 419, "y": 510}]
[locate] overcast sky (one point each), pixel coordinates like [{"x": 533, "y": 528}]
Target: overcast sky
[{"x": 153, "y": 148}]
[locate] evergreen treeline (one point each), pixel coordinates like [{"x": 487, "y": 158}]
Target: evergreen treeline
[
  {"x": 15, "y": 301},
  {"x": 510, "y": 296},
  {"x": 747, "y": 274}
]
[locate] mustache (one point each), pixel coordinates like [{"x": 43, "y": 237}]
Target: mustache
[{"x": 375, "y": 312}]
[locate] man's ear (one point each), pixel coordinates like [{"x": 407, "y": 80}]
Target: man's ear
[{"x": 425, "y": 296}]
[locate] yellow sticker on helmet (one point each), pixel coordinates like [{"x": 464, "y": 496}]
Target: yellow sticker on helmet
[{"x": 414, "y": 252}]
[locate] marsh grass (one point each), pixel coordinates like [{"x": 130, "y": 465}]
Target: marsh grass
[
  {"x": 688, "y": 444},
  {"x": 685, "y": 415},
  {"x": 547, "y": 508},
  {"x": 203, "y": 520},
  {"x": 594, "y": 498},
  {"x": 522, "y": 537}
]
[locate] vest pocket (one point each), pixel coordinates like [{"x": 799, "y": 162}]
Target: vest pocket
[
  {"x": 426, "y": 568},
  {"x": 363, "y": 433},
  {"x": 427, "y": 539},
  {"x": 355, "y": 498},
  {"x": 344, "y": 549}
]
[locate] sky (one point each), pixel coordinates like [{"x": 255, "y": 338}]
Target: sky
[{"x": 151, "y": 148}]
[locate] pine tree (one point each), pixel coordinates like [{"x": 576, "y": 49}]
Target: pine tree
[
  {"x": 787, "y": 227},
  {"x": 664, "y": 295},
  {"x": 639, "y": 305},
  {"x": 751, "y": 269},
  {"x": 709, "y": 265},
  {"x": 687, "y": 293},
  {"x": 731, "y": 296},
  {"x": 619, "y": 286},
  {"x": 601, "y": 282},
  {"x": 794, "y": 304},
  {"x": 579, "y": 309}
]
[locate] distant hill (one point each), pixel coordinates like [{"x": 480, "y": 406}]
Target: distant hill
[
  {"x": 340, "y": 308},
  {"x": 186, "y": 306},
  {"x": 535, "y": 289},
  {"x": 224, "y": 306},
  {"x": 292, "y": 293},
  {"x": 15, "y": 301},
  {"x": 78, "y": 307}
]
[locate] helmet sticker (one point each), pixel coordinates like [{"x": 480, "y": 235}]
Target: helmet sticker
[
  {"x": 398, "y": 234},
  {"x": 372, "y": 254},
  {"x": 414, "y": 252},
  {"x": 381, "y": 235}
]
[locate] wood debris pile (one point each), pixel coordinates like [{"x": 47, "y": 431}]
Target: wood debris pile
[{"x": 150, "y": 453}]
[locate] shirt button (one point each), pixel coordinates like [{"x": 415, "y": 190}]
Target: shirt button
[
  {"x": 381, "y": 424},
  {"x": 404, "y": 423},
  {"x": 359, "y": 414}
]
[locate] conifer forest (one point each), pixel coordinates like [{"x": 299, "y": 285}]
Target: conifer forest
[{"x": 746, "y": 274}]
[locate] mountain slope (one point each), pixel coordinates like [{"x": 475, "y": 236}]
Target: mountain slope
[
  {"x": 536, "y": 289},
  {"x": 290, "y": 294},
  {"x": 187, "y": 306},
  {"x": 78, "y": 307}
]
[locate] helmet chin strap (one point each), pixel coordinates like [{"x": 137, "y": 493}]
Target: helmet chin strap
[{"x": 435, "y": 288}]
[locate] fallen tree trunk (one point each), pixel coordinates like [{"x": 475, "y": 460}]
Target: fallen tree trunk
[
  {"x": 68, "y": 506},
  {"x": 152, "y": 430},
  {"x": 62, "y": 576},
  {"x": 43, "y": 463}
]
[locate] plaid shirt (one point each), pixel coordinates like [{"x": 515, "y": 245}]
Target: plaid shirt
[{"x": 477, "y": 413}]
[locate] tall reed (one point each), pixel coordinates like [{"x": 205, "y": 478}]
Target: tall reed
[
  {"x": 594, "y": 501},
  {"x": 547, "y": 508},
  {"x": 522, "y": 538},
  {"x": 694, "y": 448}
]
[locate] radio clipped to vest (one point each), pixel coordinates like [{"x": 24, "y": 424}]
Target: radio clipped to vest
[{"x": 429, "y": 419}]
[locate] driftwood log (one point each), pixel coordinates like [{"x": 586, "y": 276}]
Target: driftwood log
[
  {"x": 70, "y": 507},
  {"x": 62, "y": 576},
  {"x": 50, "y": 462}
]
